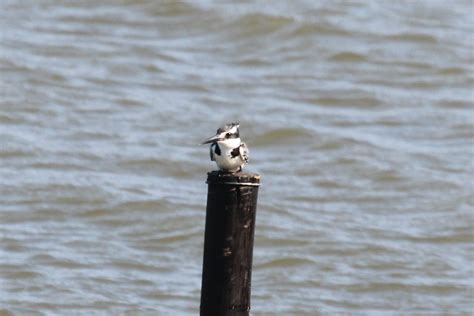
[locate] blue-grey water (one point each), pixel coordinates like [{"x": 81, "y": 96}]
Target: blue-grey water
[{"x": 359, "y": 118}]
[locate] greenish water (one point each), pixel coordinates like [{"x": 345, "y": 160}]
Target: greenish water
[{"x": 358, "y": 115}]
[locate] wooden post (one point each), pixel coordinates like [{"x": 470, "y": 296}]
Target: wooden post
[{"x": 228, "y": 243}]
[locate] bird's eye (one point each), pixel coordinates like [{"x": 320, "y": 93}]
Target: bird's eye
[{"x": 228, "y": 135}]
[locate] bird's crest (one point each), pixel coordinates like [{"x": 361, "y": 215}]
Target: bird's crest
[{"x": 227, "y": 127}]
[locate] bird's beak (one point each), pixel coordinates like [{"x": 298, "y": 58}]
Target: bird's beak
[{"x": 212, "y": 139}]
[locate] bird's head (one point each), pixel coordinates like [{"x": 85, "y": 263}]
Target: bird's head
[{"x": 229, "y": 132}]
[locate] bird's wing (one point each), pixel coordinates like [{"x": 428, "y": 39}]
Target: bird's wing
[
  {"x": 211, "y": 153},
  {"x": 244, "y": 152}
]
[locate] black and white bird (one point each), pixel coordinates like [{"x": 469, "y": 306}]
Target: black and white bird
[{"x": 227, "y": 149}]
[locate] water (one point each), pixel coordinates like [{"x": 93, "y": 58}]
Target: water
[{"x": 358, "y": 115}]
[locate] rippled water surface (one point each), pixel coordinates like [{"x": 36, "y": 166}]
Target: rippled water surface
[{"x": 358, "y": 115}]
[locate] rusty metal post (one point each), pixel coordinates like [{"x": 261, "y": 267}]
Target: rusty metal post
[{"x": 228, "y": 243}]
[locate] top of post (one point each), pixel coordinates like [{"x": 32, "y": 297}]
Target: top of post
[{"x": 238, "y": 178}]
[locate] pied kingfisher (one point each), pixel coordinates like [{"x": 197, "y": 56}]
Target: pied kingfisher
[{"x": 227, "y": 150}]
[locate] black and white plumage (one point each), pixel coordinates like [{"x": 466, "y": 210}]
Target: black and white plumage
[{"x": 227, "y": 149}]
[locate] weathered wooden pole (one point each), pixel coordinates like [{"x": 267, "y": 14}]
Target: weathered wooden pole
[{"x": 228, "y": 243}]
